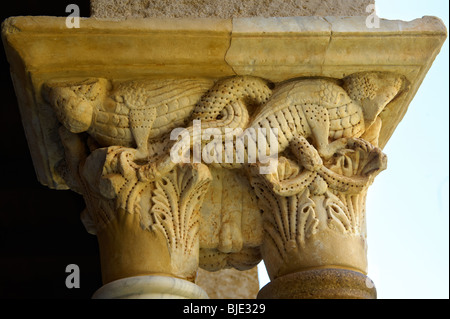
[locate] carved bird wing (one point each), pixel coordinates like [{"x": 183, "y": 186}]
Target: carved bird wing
[{"x": 158, "y": 106}]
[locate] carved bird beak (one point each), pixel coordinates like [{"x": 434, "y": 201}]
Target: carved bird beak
[{"x": 377, "y": 162}]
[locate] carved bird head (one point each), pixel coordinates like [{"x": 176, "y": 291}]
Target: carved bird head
[
  {"x": 74, "y": 101},
  {"x": 373, "y": 91},
  {"x": 360, "y": 158}
]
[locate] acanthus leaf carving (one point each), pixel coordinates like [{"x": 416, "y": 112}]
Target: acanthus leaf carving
[
  {"x": 170, "y": 206},
  {"x": 175, "y": 212},
  {"x": 322, "y": 204},
  {"x": 325, "y": 156}
]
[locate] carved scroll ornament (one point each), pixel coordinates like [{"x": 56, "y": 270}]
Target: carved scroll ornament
[{"x": 307, "y": 211}]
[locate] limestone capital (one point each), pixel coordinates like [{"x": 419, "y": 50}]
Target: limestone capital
[
  {"x": 219, "y": 143},
  {"x": 143, "y": 227}
]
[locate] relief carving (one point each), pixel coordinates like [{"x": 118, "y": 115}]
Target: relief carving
[
  {"x": 327, "y": 214},
  {"x": 308, "y": 210},
  {"x": 130, "y": 113},
  {"x": 147, "y": 227}
]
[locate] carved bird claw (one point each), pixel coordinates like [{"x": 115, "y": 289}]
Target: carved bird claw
[
  {"x": 311, "y": 159},
  {"x": 306, "y": 154}
]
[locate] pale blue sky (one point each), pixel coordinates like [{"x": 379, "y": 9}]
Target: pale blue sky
[{"x": 408, "y": 204}]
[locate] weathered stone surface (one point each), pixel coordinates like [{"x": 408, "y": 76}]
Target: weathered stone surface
[
  {"x": 141, "y": 132},
  {"x": 282, "y": 48},
  {"x": 123, "y": 9},
  {"x": 229, "y": 283},
  {"x": 324, "y": 153},
  {"x": 320, "y": 284}
]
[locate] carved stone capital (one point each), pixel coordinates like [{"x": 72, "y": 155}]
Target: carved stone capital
[
  {"x": 143, "y": 227},
  {"x": 142, "y": 202},
  {"x": 323, "y": 224},
  {"x": 205, "y": 150}
]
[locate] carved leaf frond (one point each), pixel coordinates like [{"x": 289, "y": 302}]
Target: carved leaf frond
[{"x": 176, "y": 201}]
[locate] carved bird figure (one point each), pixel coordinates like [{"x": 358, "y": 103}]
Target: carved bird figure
[
  {"x": 128, "y": 113},
  {"x": 325, "y": 111},
  {"x": 319, "y": 111}
]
